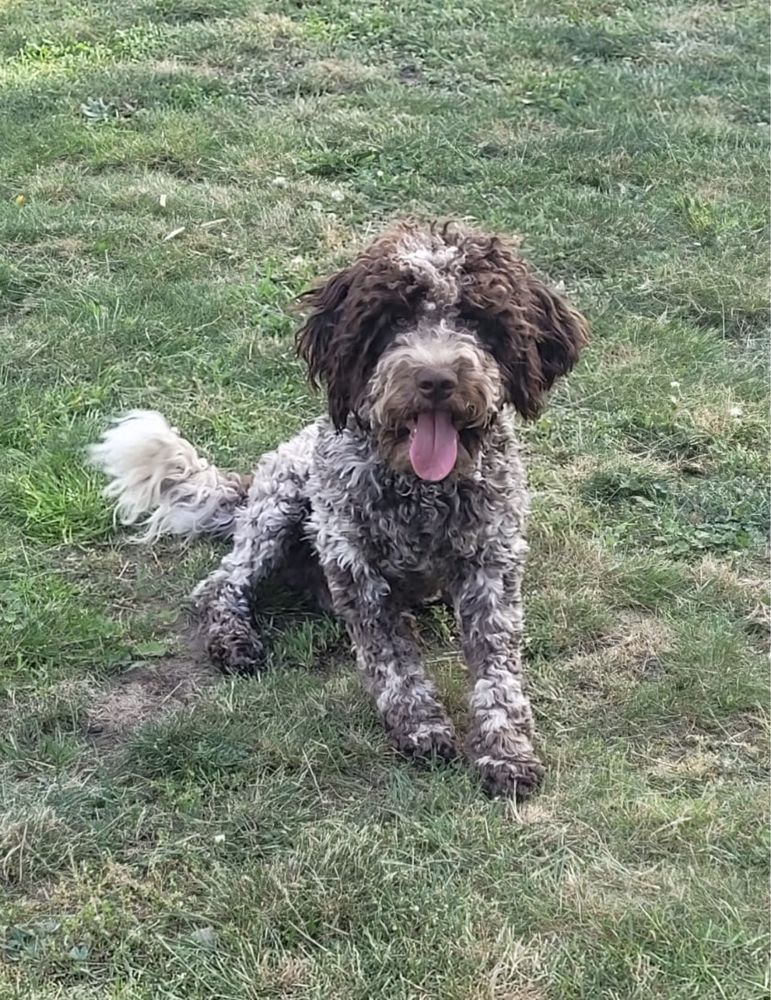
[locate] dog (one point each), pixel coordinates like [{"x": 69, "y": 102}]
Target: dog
[{"x": 411, "y": 487}]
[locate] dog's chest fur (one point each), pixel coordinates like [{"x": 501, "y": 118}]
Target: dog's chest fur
[{"x": 416, "y": 534}]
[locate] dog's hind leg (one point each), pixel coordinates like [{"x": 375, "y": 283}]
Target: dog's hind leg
[{"x": 266, "y": 534}]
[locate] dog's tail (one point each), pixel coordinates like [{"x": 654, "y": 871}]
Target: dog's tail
[{"x": 159, "y": 480}]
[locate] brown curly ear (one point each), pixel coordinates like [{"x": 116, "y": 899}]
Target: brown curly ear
[
  {"x": 352, "y": 317},
  {"x": 533, "y": 333},
  {"x": 314, "y": 341}
]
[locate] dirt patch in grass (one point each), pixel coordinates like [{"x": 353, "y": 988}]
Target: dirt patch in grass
[
  {"x": 145, "y": 691},
  {"x": 637, "y": 645},
  {"x": 693, "y": 18},
  {"x": 335, "y": 76}
]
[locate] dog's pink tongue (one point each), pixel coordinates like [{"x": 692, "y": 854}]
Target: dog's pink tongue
[{"x": 434, "y": 446}]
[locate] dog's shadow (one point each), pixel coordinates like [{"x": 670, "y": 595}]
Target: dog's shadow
[
  {"x": 299, "y": 634},
  {"x": 296, "y": 631}
]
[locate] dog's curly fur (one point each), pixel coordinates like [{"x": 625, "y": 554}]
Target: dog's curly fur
[{"x": 424, "y": 344}]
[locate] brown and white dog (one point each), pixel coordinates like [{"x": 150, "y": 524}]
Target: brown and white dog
[{"x": 412, "y": 486}]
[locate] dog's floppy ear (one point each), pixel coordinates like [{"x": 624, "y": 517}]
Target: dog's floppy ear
[
  {"x": 533, "y": 333},
  {"x": 316, "y": 340},
  {"x": 351, "y": 318}
]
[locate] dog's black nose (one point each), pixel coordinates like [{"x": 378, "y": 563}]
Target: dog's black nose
[{"x": 436, "y": 384}]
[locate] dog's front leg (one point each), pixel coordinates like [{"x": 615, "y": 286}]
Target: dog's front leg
[
  {"x": 489, "y": 610},
  {"x": 389, "y": 664}
]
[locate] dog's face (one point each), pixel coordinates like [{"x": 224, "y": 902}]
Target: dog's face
[
  {"x": 427, "y": 335},
  {"x": 432, "y": 394}
]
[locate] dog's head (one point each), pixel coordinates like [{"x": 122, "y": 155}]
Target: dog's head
[{"x": 428, "y": 334}]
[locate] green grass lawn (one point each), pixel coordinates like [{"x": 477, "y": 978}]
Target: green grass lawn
[{"x": 172, "y": 173}]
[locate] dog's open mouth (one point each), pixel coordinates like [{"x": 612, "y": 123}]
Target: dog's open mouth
[{"x": 433, "y": 445}]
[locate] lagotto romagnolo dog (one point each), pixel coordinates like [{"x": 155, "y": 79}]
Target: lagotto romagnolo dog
[{"x": 411, "y": 488}]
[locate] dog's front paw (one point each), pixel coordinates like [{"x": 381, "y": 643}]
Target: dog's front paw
[
  {"x": 426, "y": 742},
  {"x": 239, "y": 653},
  {"x": 509, "y": 777}
]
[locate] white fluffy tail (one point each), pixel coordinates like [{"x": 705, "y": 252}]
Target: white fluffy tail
[{"x": 159, "y": 480}]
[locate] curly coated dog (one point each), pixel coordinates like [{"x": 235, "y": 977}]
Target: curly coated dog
[{"x": 411, "y": 488}]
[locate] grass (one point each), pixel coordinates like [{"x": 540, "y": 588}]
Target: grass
[{"x": 172, "y": 174}]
